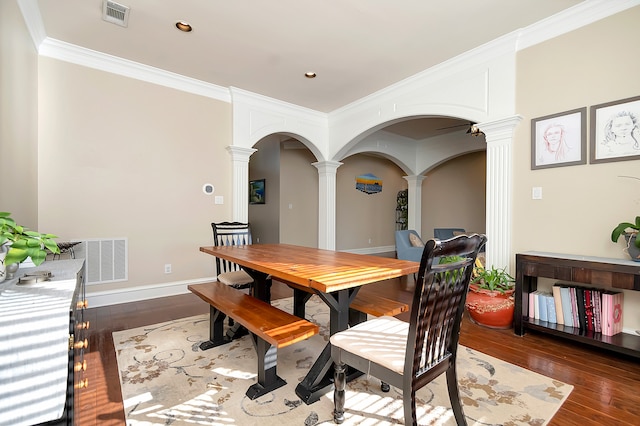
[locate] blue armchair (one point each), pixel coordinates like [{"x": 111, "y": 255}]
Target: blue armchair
[
  {"x": 446, "y": 233},
  {"x": 404, "y": 249}
]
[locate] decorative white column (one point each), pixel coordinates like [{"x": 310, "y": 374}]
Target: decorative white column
[
  {"x": 327, "y": 203},
  {"x": 240, "y": 181},
  {"x": 414, "y": 201},
  {"x": 499, "y": 137}
]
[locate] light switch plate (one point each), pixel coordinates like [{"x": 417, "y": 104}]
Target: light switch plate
[{"x": 536, "y": 193}]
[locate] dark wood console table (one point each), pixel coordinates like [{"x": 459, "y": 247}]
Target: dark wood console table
[{"x": 602, "y": 272}]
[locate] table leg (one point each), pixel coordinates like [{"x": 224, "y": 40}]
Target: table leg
[
  {"x": 262, "y": 290},
  {"x": 319, "y": 379}
]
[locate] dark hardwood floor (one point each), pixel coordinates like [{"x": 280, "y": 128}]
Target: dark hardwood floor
[{"x": 606, "y": 385}]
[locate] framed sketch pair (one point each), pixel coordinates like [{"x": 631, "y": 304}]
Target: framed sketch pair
[{"x": 561, "y": 139}]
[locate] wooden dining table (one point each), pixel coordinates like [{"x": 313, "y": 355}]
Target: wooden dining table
[{"x": 334, "y": 276}]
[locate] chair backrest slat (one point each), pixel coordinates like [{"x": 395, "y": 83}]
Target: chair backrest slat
[
  {"x": 438, "y": 305},
  {"x": 230, "y": 234}
]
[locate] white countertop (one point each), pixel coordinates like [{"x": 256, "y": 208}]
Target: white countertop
[
  {"x": 627, "y": 262},
  {"x": 34, "y": 353}
]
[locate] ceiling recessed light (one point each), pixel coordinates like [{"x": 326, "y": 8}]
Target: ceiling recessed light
[
  {"x": 184, "y": 26},
  {"x": 310, "y": 74}
]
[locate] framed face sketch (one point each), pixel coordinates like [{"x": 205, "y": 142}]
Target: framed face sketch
[
  {"x": 559, "y": 139},
  {"x": 615, "y": 131}
]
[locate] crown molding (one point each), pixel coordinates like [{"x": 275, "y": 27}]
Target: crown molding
[
  {"x": 90, "y": 58},
  {"x": 33, "y": 20},
  {"x": 575, "y": 17},
  {"x": 258, "y": 100}
]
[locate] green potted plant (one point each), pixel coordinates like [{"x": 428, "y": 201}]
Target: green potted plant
[
  {"x": 490, "y": 301},
  {"x": 19, "y": 242},
  {"x": 630, "y": 232}
]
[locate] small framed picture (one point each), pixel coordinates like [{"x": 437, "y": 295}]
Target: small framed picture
[
  {"x": 559, "y": 139},
  {"x": 615, "y": 131},
  {"x": 256, "y": 191}
]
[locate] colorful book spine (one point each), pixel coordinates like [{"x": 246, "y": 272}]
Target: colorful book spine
[
  {"x": 551, "y": 308},
  {"x": 574, "y": 307},
  {"x": 612, "y": 307},
  {"x": 565, "y": 293},
  {"x": 532, "y": 304},
  {"x": 580, "y": 306},
  {"x": 558, "y": 302},
  {"x": 542, "y": 306},
  {"x": 597, "y": 311}
]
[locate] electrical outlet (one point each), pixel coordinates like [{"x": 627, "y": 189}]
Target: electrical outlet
[{"x": 167, "y": 268}]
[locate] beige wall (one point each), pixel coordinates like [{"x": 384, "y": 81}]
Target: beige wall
[
  {"x": 361, "y": 216},
  {"x": 298, "y": 196},
  {"x": 18, "y": 118},
  {"x": 124, "y": 158},
  {"x": 265, "y": 164},
  {"x": 581, "y": 204},
  {"x": 454, "y": 193}
]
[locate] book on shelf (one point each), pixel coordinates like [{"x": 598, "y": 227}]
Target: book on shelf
[
  {"x": 541, "y": 306},
  {"x": 613, "y": 303},
  {"x": 580, "y": 306},
  {"x": 597, "y": 311},
  {"x": 574, "y": 307},
  {"x": 558, "y": 304},
  {"x": 551, "y": 308},
  {"x": 532, "y": 304},
  {"x": 565, "y": 294}
]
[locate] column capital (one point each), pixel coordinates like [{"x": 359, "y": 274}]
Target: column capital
[
  {"x": 415, "y": 178},
  {"x": 239, "y": 153},
  {"x": 240, "y": 181},
  {"x": 499, "y": 129},
  {"x": 327, "y": 166}
]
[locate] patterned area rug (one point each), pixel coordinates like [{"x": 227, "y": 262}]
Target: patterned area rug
[{"x": 167, "y": 380}]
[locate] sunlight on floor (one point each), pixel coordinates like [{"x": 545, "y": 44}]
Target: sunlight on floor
[
  {"x": 373, "y": 409},
  {"x": 245, "y": 375},
  {"x": 203, "y": 409}
]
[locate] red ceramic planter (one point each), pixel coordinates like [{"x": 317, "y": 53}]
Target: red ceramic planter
[{"x": 490, "y": 308}]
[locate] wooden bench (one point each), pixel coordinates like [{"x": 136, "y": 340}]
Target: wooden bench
[
  {"x": 270, "y": 328},
  {"x": 372, "y": 304}
]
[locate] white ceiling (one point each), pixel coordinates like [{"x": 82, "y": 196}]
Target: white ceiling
[{"x": 356, "y": 47}]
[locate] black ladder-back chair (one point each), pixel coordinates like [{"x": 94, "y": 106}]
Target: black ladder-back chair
[
  {"x": 410, "y": 355},
  {"x": 230, "y": 234}
]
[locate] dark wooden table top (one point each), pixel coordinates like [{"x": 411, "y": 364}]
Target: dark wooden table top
[{"x": 323, "y": 270}]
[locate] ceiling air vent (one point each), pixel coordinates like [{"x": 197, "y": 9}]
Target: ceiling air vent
[{"x": 115, "y": 13}]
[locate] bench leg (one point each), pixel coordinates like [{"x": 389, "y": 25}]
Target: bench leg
[
  {"x": 216, "y": 330},
  {"x": 236, "y": 332},
  {"x": 268, "y": 379}
]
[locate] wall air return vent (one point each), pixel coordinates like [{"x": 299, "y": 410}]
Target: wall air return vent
[
  {"x": 115, "y": 13},
  {"x": 106, "y": 260}
]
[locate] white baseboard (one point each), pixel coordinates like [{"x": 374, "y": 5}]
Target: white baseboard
[
  {"x": 372, "y": 250},
  {"x": 126, "y": 295}
]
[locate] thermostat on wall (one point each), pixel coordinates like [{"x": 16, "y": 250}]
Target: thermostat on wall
[{"x": 208, "y": 189}]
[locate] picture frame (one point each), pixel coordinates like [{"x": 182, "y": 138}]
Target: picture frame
[
  {"x": 559, "y": 140},
  {"x": 615, "y": 131},
  {"x": 257, "y": 191}
]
